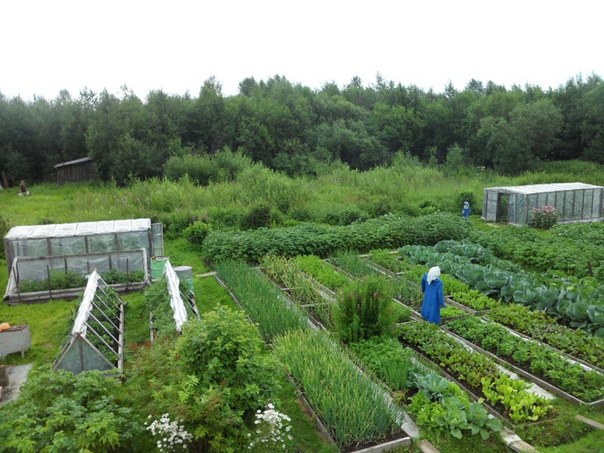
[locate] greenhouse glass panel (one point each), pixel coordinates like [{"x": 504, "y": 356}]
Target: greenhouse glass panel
[
  {"x": 491, "y": 209},
  {"x": 29, "y": 247},
  {"x": 531, "y": 201},
  {"x": 520, "y": 210},
  {"x": 568, "y": 206},
  {"x": 128, "y": 262},
  {"x": 512, "y": 209},
  {"x": 578, "y": 204},
  {"x": 597, "y": 203},
  {"x": 133, "y": 241},
  {"x": 101, "y": 243},
  {"x": 68, "y": 245},
  {"x": 541, "y": 199},
  {"x": 588, "y": 200}
]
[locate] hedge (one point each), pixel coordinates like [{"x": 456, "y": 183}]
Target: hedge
[{"x": 389, "y": 231}]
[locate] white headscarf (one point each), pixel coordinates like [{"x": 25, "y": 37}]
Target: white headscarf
[{"x": 433, "y": 274}]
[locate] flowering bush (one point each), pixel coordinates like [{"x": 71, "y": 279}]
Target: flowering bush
[
  {"x": 272, "y": 430},
  {"x": 544, "y": 217},
  {"x": 171, "y": 435}
]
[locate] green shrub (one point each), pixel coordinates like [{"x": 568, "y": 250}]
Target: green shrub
[
  {"x": 197, "y": 232},
  {"x": 60, "y": 411},
  {"x": 176, "y": 222},
  {"x": 257, "y": 217},
  {"x": 364, "y": 310},
  {"x": 225, "y": 349},
  {"x": 544, "y": 217},
  {"x": 345, "y": 216}
]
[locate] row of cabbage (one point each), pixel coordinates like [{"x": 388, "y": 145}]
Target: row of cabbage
[
  {"x": 532, "y": 323},
  {"x": 577, "y": 302}
]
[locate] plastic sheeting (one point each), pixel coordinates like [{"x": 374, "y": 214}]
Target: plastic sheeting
[
  {"x": 176, "y": 302},
  {"x": 38, "y": 268},
  {"x": 79, "y": 325}
]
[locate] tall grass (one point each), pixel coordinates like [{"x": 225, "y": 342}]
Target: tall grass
[
  {"x": 262, "y": 300},
  {"x": 404, "y": 187},
  {"x": 350, "y": 405}
]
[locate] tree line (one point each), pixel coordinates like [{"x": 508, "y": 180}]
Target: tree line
[{"x": 292, "y": 128}]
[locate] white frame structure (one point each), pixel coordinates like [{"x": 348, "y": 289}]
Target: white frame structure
[
  {"x": 177, "y": 303},
  {"x": 86, "y": 348}
]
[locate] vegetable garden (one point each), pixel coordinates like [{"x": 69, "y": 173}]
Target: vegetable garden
[{"x": 328, "y": 315}]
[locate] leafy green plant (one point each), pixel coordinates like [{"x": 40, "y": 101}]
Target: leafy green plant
[
  {"x": 323, "y": 272},
  {"x": 471, "y": 368},
  {"x": 545, "y": 363},
  {"x": 364, "y": 310},
  {"x": 197, "y": 232},
  {"x": 520, "y": 405},
  {"x": 225, "y": 350},
  {"x": 385, "y": 357},
  {"x": 542, "y": 327},
  {"x": 58, "y": 280},
  {"x": 60, "y": 411}
]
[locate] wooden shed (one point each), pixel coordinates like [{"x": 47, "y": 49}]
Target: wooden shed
[{"x": 82, "y": 169}]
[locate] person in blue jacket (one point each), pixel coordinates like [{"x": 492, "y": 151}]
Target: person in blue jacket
[
  {"x": 466, "y": 210},
  {"x": 434, "y": 295}
]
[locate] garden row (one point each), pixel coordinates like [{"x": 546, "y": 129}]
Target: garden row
[
  {"x": 358, "y": 317},
  {"x": 579, "y": 304},
  {"x": 542, "y": 364},
  {"x": 534, "y": 324},
  {"x": 572, "y": 249},
  {"x": 323, "y": 240},
  {"x": 350, "y": 406}
]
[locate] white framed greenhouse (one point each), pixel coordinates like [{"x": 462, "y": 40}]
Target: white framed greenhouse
[
  {"x": 45, "y": 261},
  {"x": 96, "y": 340},
  {"x": 574, "y": 202}
]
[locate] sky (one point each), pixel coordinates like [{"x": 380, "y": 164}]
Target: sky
[{"x": 175, "y": 45}]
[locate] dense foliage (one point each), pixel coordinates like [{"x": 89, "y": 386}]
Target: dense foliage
[
  {"x": 572, "y": 249},
  {"x": 438, "y": 403},
  {"x": 323, "y": 240},
  {"x": 60, "y": 411},
  {"x": 292, "y": 128}
]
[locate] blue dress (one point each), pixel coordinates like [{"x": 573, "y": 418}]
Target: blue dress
[{"x": 434, "y": 298}]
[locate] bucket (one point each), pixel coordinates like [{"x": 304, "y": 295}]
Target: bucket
[
  {"x": 157, "y": 266},
  {"x": 185, "y": 275}
]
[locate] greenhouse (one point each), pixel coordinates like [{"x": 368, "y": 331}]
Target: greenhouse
[
  {"x": 574, "y": 202},
  {"x": 48, "y": 261},
  {"x": 96, "y": 341}
]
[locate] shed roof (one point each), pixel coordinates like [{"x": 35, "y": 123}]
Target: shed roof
[
  {"x": 78, "y": 229},
  {"x": 543, "y": 188},
  {"x": 74, "y": 162}
]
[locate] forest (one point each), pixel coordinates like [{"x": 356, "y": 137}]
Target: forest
[{"x": 292, "y": 128}]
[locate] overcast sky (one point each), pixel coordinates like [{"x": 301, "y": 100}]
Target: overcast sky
[{"x": 174, "y": 45}]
